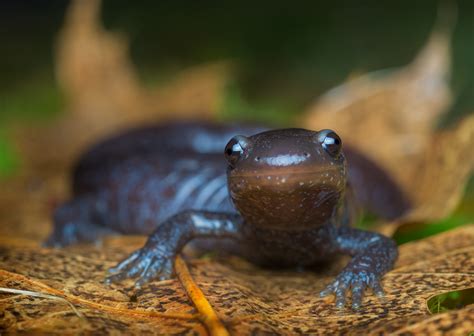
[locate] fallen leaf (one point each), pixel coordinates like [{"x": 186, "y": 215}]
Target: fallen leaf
[
  {"x": 392, "y": 115},
  {"x": 245, "y": 299},
  {"x": 439, "y": 179},
  {"x": 447, "y": 161},
  {"x": 103, "y": 93}
]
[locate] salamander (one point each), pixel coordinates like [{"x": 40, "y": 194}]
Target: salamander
[{"x": 278, "y": 197}]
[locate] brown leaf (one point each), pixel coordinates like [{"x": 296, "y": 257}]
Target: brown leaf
[
  {"x": 101, "y": 85},
  {"x": 245, "y": 298},
  {"x": 440, "y": 177},
  {"x": 391, "y": 116},
  {"x": 442, "y": 172},
  {"x": 27, "y": 203},
  {"x": 103, "y": 93}
]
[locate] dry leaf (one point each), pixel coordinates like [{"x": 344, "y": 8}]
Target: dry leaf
[
  {"x": 398, "y": 109},
  {"x": 103, "y": 93},
  {"x": 391, "y": 116},
  {"x": 246, "y": 299},
  {"x": 442, "y": 172}
]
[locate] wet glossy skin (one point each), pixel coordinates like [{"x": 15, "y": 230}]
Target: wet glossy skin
[
  {"x": 285, "y": 180},
  {"x": 288, "y": 187}
]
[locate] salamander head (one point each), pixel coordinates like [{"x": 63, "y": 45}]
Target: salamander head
[{"x": 289, "y": 179}]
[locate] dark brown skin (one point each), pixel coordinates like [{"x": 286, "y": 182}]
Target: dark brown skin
[
  {"x": 288, "y": 187},
  {"x": 285, "y": 179}
]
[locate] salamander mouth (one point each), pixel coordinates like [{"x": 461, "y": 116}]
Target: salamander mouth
[
  {"x": 291, "y": 172},
  {"x": 311, "y": 181}
]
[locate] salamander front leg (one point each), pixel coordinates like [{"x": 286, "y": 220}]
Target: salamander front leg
[
  {"x": 156, "y": 258},
  {"x": 373, "y": 256}
]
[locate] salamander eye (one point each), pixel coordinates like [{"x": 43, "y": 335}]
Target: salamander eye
[
  {"x": 235, "y": 149},
  {"x": 331, "y": 142}
]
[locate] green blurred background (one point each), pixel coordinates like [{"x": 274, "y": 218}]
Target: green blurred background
[{"x": 286, "y": 54}]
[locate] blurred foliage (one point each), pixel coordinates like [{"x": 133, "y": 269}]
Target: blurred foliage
[
  {"x": 287, "y": 55},
  {"x": 422, "y": 230},
  {"x": 451, "y": 300},
  {"x": 296, "y": 51},
  {"x": 408, "y": 232},
  {"x": 9, "y": 161},
  {"x": 276, "y": 111},
  {"x": 38, "y": 99}
]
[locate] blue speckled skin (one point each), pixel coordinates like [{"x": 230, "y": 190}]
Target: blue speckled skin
[
  {"x": 288, "y": 203},
  {"x": 130, "y": 183}
]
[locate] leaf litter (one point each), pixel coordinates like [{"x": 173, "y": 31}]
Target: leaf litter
[{"x": 391, "y": 116}]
